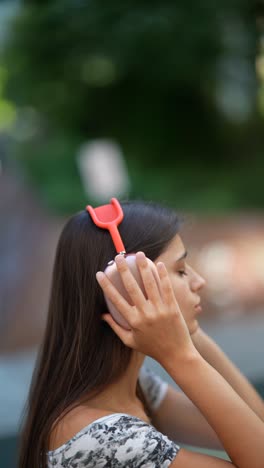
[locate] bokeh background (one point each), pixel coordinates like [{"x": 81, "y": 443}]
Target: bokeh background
[{"x": 158, "y": 100}]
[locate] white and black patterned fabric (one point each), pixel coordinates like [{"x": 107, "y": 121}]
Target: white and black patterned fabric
[{"x": 119, "y": 440}]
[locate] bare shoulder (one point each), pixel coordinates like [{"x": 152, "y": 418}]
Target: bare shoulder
[
  {"x": 187, "y": 459},
  {"x": 72, "y": 423}
]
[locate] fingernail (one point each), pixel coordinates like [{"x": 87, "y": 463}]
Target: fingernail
[
  {"x": 119, "y": 259},
  {"x": 160, "y": 266},
  {"x": 99, "y": 275},
  {"x": 141, "y": 255}
]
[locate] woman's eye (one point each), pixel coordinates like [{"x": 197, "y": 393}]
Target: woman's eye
[{"x": 182, "y": 272}]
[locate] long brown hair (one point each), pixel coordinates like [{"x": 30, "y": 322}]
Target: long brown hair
[{"x": 80, "y": 354}]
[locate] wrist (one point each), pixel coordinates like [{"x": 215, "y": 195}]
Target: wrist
[{"x": 177, "y": 362}]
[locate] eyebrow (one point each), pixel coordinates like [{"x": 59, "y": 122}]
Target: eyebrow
[{"x": 184, "y": 255}]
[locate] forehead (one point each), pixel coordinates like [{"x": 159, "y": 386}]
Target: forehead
[{"x": 174, "y": 249}]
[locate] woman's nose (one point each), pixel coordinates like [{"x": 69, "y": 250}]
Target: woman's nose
[{"x": 197, "y": 281}]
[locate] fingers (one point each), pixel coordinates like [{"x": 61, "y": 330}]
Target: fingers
[
  {"x": 113, "y": 295},
  {"x": 167, "y": 292},
  {"x": 130, "y": 283},
  {"x": 148, "y": 279},
  {"x": 124, "y": 335}
]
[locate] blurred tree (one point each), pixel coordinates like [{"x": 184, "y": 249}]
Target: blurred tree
[{"x": 173, "y": 82}]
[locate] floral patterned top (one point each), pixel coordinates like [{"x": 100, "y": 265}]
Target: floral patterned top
[{"x": 120, "y": 440}]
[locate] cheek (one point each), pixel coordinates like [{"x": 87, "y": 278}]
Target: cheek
[{"x": 181, "y": 292}]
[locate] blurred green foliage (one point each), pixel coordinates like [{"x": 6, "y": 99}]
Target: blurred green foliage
[{"x": 172, "y": 82}]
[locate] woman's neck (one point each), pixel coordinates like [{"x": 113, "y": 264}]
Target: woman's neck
[
  {"x": 119, "y": 397},
  {"x": 121, "y": 393}
]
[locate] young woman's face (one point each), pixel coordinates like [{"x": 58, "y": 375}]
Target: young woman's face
[{"x": 185, "y": 281}]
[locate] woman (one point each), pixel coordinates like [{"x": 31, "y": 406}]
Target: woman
[{"x": 91, "y": 402}]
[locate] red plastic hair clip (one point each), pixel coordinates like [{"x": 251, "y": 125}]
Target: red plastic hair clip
[{"x": 109, "y": 217}]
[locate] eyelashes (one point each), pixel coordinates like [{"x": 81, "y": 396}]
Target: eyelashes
[{"x": 182, "y": 273}]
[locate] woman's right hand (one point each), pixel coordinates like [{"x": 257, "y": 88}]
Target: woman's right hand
[{"x": 157, "y": 327}]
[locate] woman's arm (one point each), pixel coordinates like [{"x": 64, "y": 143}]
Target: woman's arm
[
  {"x": 237, "y": 426},
  {"x": 181, "y": 420},
  {"x": 214, "y": 355}
]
